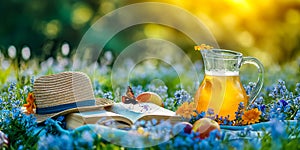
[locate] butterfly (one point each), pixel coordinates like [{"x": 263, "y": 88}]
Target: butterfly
[{"x": 129, "y": 98}]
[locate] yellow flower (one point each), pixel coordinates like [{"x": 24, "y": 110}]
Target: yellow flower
[
  {"x": 202, "y": 47},
  {"x": 186, "y": 110},
  {"x": 141, "y": 131},
  {"x": 251, "y": 116}
]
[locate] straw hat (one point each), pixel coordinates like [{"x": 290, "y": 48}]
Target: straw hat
[{"x": 64, "y": 93}]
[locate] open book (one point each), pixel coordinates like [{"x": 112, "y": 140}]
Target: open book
[{"x": 122, "y": 115}]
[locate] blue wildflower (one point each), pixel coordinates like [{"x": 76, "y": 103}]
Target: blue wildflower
[
  {"x": 154, "y": 121},
  {"x": 55, "y": 142},
  {"x": 141, "y": 123},
  {"x": 162, "y": 91},
  {"x": 32, "y": 79},
  {"x": 277, "y": 130},
  {"x": 170, "y": 103},
  {"x": 249, "y": 88},
  {"x": 262, "y": 108},
  {"x": 204, "y": 145},
  {"x": 108, "y": 95},
  {"x": 148, "y": 124},
  {"x": 137, "y": 89},
  {"x": 12, "y": 87},
  {"x": 224, "y": 120},
  {"x": 178, "y": 142},
  {"x": 214, "y": 135},
  {"x": 197, "y": 117},
  {"x": 246, "y": 131},
  {"x": 280, "y": 91},
  {"x": 85, "y": 141},
  {"x": 283, "y": 102},
  {"x": 182, "y": 96},
  {"x": 276, "y": 112},
  {"x": 213, "y": 140},
  {"x": 282, "y": 109},
  {"x": 21, "y": 147},
  {"x": 297, "y": 100},
  {"x": 239, "y": 113}
]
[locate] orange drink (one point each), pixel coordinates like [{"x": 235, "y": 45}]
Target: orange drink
[{"x": 222, "y": 93}]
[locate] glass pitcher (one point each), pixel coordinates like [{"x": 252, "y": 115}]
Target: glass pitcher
[{"x": 221, "y": 88}]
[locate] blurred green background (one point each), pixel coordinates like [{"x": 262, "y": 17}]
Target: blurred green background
[{"x": 268, "y": 29}]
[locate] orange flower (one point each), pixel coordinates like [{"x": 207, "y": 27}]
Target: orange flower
[
  {"x": 186, "y": 110},
  {"x": 251, "y": 116},
  {"x": 30, "y": 103}
]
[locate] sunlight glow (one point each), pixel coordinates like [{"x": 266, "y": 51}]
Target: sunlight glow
[
  {"x": 240, "y": 2},
  {"x": 242, "y": 5}
]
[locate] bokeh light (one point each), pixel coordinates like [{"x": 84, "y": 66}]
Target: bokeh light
[
  {"x": 81, "y": 14},
  {"x": 106, "y": 7},
  {"x": 12, "y": 51},
  {"x": 25, "y": 53},
  {"x": 65, "y": 49},
  {"x": 52, "y": 29}
]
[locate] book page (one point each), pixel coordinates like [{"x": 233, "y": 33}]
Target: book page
[
  {"x": 136, "y": 112},
  {"x": 92, "y": 117}
]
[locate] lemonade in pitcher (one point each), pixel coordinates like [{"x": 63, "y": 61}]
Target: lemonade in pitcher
[{"x": 221, "y": 88}]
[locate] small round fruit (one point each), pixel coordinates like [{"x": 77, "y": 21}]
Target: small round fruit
[
  {"x": 204, "y": 126},
  {"x": 182, "y": 126},
  {"x": 150, "y": 97}
]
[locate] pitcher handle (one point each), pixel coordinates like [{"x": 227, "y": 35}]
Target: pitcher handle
[{"x": 259, "y": 83}]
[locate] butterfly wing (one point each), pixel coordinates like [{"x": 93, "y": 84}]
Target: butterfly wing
[
  {"x": 130, "y": 93},
  {"x": 124, "y": 99},
  {"x": 128, "y": 100}
]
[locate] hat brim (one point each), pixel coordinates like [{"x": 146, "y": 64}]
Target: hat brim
[{"x": 101, "y": 103}]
